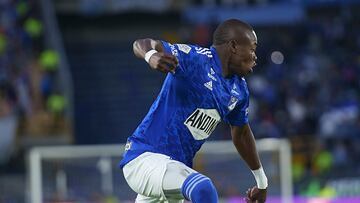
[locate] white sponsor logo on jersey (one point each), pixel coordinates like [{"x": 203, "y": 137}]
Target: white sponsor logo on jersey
[
  {"x": 184, "y": 48},
  {"x": 208, "y": 85},
  {"x": 234, "y": 90},
  {"x": 211, "y": 74},
  {"x": 212, "y": 77},
  {"x": 202, "y": 122}
]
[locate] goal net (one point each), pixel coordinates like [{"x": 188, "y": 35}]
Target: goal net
[{"x": 91, "y": 173}]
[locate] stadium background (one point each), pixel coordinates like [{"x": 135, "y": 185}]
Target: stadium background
[{"x": 68, "y": 76}]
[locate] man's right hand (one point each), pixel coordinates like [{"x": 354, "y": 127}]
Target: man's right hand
[
  {"x": 255, "y": 195},
  {"x": 163, "y": 62}
]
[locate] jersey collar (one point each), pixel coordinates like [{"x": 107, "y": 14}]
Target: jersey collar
[{"x": 216, "y": 59}]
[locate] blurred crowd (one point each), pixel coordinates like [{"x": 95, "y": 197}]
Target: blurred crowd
[
  {"x": 308, "y": 90},
  {"x": 30, "y": 97}
]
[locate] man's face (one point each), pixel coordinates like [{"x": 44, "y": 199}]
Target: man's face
[{"x": 243, "y": 57}]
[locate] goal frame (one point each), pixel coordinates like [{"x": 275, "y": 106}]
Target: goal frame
[{"x": 37, "y": 154}]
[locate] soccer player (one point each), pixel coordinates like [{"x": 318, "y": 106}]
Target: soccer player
[{"x": 203, "y": 86}]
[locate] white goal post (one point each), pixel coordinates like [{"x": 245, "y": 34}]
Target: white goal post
[{"x": 104, "y": 153}]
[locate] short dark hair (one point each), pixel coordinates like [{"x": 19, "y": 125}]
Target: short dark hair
[{"x": 226, "y": 31}]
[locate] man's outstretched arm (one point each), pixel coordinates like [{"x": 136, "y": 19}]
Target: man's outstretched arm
[
  {"x": 244, "y": 142},
  {"x": 153, "y": 52}
]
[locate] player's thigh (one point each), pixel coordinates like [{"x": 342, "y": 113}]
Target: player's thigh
[
  {"x": 144, "y": 174},
  {"x": 174, "y": 177}
]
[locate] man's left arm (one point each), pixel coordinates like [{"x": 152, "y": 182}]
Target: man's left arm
[{"x": 244, "y": 142}]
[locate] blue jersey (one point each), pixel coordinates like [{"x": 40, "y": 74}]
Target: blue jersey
[{"x": 191, "y": 103}]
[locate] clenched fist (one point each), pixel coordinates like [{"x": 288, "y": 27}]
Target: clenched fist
[
  {"x": 255, "y": 195},
  {"x": 163, "y": 62}
]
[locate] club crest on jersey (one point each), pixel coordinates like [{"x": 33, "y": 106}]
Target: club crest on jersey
[
  {"x": 232, "y": 103},
  {"x": 202, "y": 122},
  {"x": 128, "y": 145}
]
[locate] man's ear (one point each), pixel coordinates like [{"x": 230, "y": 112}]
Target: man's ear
[{"x": 232, "y": 46}]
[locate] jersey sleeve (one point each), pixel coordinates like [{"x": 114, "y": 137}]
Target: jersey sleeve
[
  {"x": 239, "y": 115},
  {"x": 183, "y": 53}
]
